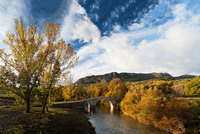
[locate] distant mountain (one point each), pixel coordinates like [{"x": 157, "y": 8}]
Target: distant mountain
[
  {"x": 186, "y": 76},
  {"x": 123, "y": 76}
]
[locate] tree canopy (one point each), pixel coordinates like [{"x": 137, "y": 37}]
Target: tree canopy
[
  {"x": 193, "y": 87},
  {"x": 36, "y": 60}
]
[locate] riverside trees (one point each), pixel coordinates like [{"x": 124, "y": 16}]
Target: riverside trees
[
  {"x": 115, "y": 89},
  {"x": 154, "y": 103},
  {"x": 35, "y": 62},
  {"x": 72, "y": 92}
]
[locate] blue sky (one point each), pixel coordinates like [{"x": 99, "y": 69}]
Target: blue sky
[{"x": 141, "y": 36}]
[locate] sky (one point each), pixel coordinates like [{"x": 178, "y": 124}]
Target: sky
[{"x": 136, "y": 36}]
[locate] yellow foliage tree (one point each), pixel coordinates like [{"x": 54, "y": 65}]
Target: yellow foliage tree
[
  {"x": 98, "y": 89},
  {"x": 61, "y": 59},
  {"x": 150, "y": 103},
  {"x": 117, "y": 89},
  {"x": 31, "y": 59},
  {"x": 72, "y": 92},
  {"x": 193, "y": 87}
]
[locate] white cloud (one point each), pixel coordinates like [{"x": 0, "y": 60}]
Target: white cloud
[
  {"x": 77, "y": 25},
  {"x": 175, "y": 48},
  {"x": 9, "y": 10},
  {"x": 86, "y": 31},
  {"x": 172, "y": 47}
]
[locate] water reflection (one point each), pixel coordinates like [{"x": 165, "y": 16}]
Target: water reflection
[{"x": 115, "y": 123}]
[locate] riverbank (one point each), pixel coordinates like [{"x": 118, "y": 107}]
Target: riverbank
[
  {"x": 154, "y": 108},
  {"x": 106, "y": 122},
  {"x": 190, "y": 129},
  {"x": 55, "y": 121}
]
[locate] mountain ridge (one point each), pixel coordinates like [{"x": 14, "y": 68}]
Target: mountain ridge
[{"x": 123, "y": 76}]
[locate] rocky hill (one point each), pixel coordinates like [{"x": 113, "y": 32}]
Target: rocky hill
[{"x": 123, "y": 76}]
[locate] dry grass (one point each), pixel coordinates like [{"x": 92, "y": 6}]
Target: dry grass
[{"x": 13, "y": 119}]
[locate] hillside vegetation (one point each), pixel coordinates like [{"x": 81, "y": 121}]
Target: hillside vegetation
[
  {"x": 123, "y": 76},
  {"x": 172, "y": 105},
  {"x": 156, "y": 103}
]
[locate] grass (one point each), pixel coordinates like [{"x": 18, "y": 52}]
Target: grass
[
  {"x": 193, "y": 98},
  {"x": 87, "y": 85},
  {"x": 13, "y": 119},
  {"x": 5, "y": 98},
  {"x": 59, "y": 102},
  {"x": 189, "y": 99}
]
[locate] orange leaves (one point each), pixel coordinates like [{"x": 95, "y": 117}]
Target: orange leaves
[
  {"x": 98, "y": 89},
  {"x": 117, "y": 89},
  {"x": 150, "y": 103}
]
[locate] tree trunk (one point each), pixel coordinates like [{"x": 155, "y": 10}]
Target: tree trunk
[
  {"x": 45, "y": 103},
  {"x": 28, "y": 105},
  {"x": 47, "y": 109},
  {"x": 44, "y": 106}
]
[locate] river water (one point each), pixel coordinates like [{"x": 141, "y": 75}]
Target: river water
[{"x": 106, "y": 122}]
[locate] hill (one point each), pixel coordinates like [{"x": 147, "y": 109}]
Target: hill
[
  {"x": 186, "y": 76},
  {"x": 123, "y": 76}
]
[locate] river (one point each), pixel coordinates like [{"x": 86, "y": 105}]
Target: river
[{"x": 106, "y": 122}]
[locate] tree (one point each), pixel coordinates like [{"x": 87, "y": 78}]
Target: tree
[
  {"x": 30, "y": 58},
  {"x": 72, "y": 92},
  {"x": 61, "y": 60},
  {"x": 104, "y": 87},
  {"x": 193, "y": 87},
  {"x": 98, "y": 89},
  {"x": 91, "y": 90},
  {"x": 149, "y": 103},
  {"x": 117, "y": 89}
]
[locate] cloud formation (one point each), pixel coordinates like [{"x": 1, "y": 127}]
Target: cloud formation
[
  {"x": 171, "y": 47},
  {"x": 77, "y": 25},
  {"x": 9, "y": 10},
  {"x": 165, "y": 40}
]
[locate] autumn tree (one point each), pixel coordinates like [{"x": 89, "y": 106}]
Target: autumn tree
[
  {"x": 116, "y": 89},
  {"x": 98, "y": 89},
  {"x": 72, "y": 92},
  {"x": 61, "y": 59},
  {"x": 104, "y": 87},
  {"x": 30, "y": 59},
  {"x": 193, "y": 87},
  {"x": 149, "y": 103},
  {"x": 91, "y": 90}
]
